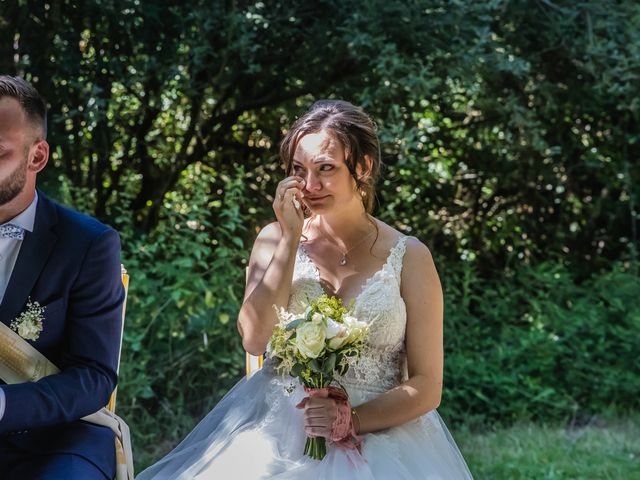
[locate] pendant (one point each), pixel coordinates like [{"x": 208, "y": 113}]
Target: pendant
[{"x": 343, "y": 262}]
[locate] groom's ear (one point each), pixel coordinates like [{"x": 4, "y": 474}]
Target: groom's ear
[{"x": 38, "y": 156}]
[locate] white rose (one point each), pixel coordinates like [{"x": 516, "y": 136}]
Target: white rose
[
  {"x": 336, "y": 333},
  {"x": 310, "y": 338},
  {"x": 333, "y": 328},
  {"x": 316, "y": 317},
  {"x": 338, "y": 341},
  {"x": 355, "y": 328}
]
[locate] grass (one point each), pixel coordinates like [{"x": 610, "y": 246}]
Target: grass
[{"x": 605, "y": 449}]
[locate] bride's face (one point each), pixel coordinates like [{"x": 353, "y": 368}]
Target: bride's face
[{"x": 320, "y": 160}]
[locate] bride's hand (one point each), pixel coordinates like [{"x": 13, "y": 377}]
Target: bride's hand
[
  {"x": 319, "y": 416},
  {"x": 287, "y": 206}
]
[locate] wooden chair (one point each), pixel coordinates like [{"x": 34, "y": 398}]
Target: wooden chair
[
  {"x": 252, "y": 363},
  {"x": 111, "y": 406}
]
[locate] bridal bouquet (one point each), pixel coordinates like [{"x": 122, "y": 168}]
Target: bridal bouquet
[{"x": 316, "y": 347}]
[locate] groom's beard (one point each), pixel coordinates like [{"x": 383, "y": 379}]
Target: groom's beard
[{"x": 14, "y": 184}]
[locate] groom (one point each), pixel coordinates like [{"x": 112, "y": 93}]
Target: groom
[{"x": 69, "y": 264}]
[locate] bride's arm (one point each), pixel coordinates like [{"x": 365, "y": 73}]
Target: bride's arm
[
  {"x": 270, "y": 268},
  {"x": 268, "y": 283},
  {"x": 421, "y": 393}
]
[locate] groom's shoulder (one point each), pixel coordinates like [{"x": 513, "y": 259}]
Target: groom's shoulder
[{"x": 82, "y": 225}]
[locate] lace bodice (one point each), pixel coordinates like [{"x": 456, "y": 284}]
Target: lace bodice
[{"x": 383, "y": 363}]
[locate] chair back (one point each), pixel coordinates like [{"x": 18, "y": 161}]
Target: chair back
[
  {"x": 252, "y": 363},
  {"x": 111, "y": 406}
]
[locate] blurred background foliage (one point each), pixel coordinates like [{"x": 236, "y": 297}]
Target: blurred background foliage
[{"x": 510, "y": 133}]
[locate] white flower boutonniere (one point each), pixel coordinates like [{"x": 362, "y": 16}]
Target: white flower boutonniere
[{"x": 29, "y": 323}]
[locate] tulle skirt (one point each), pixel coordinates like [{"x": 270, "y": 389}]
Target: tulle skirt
[{"x": 255, "y": 432}]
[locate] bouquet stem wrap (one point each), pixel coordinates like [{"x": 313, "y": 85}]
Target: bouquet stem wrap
[{"x": 343, "y": 434}]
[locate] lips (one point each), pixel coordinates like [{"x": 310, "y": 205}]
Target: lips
[{"x": 315, "y": 199}]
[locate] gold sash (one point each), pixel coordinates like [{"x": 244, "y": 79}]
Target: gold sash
[{"x": 20, "y": 363}]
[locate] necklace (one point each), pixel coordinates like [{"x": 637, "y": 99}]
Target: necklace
[{"x": 343, "y": 260}]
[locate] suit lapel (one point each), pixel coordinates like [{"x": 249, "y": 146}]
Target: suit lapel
[{"x": 34, "y": 252}]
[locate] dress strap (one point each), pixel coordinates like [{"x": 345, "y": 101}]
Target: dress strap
[
  {"x": 396, "y": 256},
  {"x": 304, "y": 266}
]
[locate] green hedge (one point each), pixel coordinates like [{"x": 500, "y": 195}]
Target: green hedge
[{"x": 536, "y": 344}]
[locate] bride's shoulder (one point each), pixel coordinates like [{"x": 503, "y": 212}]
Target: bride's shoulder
[
  {"x": 391, "y": 236},
  {"x": 417, "y": 258},
  {"x": 418, "y": 267},
  {"x": 271, "y": 231},
  {"x": 416, "y": 252},
  {"x": 418, "y": 273},
  {"x": 265, "y": 243},
  {"x": 416, "y": 248}
]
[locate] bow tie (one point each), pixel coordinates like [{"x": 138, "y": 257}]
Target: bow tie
[{"x": 9, "y": 230}]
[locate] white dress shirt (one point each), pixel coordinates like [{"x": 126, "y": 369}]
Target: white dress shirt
[
  {"x": 9, "y": 250},
  {"x": 10, "y": 247}
]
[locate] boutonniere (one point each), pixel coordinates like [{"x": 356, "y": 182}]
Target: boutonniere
[{"x": 29, "y": 323}]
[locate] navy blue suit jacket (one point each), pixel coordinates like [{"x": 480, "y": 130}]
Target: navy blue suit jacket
[{"x": 70, "y": 264}]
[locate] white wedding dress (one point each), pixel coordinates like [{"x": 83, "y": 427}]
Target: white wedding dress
[{"x": 255, "y": 432}]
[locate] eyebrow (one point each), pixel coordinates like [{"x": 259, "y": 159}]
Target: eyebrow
[
  {"x": 318, "y": 159},
  {"x": 321, "y": 158}
]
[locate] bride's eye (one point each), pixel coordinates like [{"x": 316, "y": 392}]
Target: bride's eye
[{"x": 327, "y": 167}]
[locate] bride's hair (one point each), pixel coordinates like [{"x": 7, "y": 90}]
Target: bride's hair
[{"x": 353, "y": 128}]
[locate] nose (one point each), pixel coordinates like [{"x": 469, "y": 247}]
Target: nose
[{"x": 312, "y": 182}]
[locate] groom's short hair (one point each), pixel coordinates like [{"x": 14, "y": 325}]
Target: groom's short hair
[{"x": 30, "y": 100}]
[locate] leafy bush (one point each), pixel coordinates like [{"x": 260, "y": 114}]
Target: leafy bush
[
  {"x": 181, "y": 349},
  {"x": 535, "y": 344}
]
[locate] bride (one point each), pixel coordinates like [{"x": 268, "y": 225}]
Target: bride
[{"x": 326, "y": 241}]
